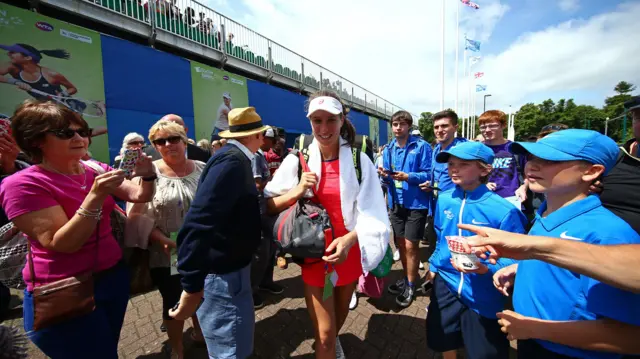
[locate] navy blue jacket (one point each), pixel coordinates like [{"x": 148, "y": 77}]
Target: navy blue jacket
[{"x": 221, "y": 231}]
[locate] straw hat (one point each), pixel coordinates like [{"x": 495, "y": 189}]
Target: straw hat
[{"x": 243, "y": 121}]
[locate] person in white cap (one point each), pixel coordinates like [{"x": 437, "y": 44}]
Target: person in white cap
[
  {"x": 222, "y": 120},
  {"x": 416, "y": 133},
  {"x": 356, "y": 209}
]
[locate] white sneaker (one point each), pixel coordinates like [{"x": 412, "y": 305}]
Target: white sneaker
[
  {"x": 396, "y": 255},
  {"x": 354, "y": 301},
  {"x": 421, "y": 266}
]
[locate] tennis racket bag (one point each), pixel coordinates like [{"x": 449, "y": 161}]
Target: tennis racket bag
[{"x": 302, "y": 229}]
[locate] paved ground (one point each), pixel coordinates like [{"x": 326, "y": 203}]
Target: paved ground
[{"x": 375, "y": 329}]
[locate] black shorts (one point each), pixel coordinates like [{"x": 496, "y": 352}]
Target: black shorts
[
  {"x": 452, "y": 325},
  {"x": 169, "y": 287},
  {"x": 530, "y": 349},
  {"x": 408, "y": 223}
]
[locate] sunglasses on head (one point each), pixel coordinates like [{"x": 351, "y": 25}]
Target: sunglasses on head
[
  {"x": 162, "y": 141},
  {"x": 68, "y": 133},
  {"x": 553, "y": 128}
]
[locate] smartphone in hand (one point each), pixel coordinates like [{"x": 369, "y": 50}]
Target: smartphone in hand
[
  {"x": 5, "y": 126},
  {"x": 128, "y": 163}
]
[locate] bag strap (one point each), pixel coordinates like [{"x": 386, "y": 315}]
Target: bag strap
[
  {"x": 303, "y": 148},
  {"x": 394, "y": 195},
  {"x": 305, "y": 168},
  {"x": 30, "y": 257}
]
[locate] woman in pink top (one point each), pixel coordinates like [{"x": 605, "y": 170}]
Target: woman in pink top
[{"x": 63, "y": 207}]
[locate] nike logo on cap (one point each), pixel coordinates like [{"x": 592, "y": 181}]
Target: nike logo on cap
[
  {"x": 565, "y": 236},
  {"x": 473, "y": 221}
]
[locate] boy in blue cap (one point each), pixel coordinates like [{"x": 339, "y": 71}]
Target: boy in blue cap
[
  {"x": 559, "y": 313},
  {"x": 464, "y": 303}
]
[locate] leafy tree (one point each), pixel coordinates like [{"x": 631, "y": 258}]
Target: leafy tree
[
  {"x": 531, "y": 117},
  {"x": 624, "y": 87},
  {"x": 425, "y": 125}
]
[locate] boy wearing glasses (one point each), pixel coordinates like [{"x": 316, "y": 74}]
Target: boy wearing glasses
[{"x": 507, "y": 174}]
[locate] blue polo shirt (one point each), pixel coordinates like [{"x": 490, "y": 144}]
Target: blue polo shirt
[{"x": 548, "y": 292}]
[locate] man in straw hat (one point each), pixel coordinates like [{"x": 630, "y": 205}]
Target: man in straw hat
[{"x": 220, "y": 233}]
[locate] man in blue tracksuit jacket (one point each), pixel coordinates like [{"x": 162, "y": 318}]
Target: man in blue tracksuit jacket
[
  {"x": 445, "y": 127},
  {"x": 464, "y": 305},
  {"x": 406, "y": 164}
]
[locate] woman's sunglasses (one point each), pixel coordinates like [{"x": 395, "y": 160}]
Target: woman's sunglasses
[
  {"x": 163, "y": 141},
  {"x": 68, "y": 133},
  {"x": 136, "y": 143}
]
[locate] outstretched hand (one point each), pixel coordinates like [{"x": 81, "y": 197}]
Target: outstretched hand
[{"x": 500, "y": 243}]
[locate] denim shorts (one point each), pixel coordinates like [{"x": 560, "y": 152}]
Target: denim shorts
[{"x": 227, "y": 316}]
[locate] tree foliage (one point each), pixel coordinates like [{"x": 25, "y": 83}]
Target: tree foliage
[
  {"x": 531, "y": 117},
  {"x": 425, "y": 125}
]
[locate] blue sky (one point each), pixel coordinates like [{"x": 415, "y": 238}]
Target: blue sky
[{"x": 531, "y": 49}]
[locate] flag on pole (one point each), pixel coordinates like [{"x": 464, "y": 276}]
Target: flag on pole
[
  {"x": 471, "y": 4},
  {"x": 480, "y": 88},
  {"x": 474, "y": 60},
  {"x": 478, "y": 74},
  {"x": 472, "y": 45}
]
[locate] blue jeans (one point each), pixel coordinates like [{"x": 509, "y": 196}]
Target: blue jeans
[
  {"x": 94, "y": 335},
  {"x": 226, "y": 315}
]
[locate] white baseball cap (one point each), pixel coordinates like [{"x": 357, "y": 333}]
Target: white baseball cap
[
  {"x": 226, "y": 95},
  {"x": 269, "y": 133},
  {"x": 325, "y": 103},
  {"x": 416, "y": 133}
]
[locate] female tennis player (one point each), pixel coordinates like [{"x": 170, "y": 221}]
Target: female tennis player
[{"x": 24, "y": 66}]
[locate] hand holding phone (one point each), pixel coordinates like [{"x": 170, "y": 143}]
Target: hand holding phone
[
  {"x": 129, "y": 160},
  {"x": 5, "y": 126}
]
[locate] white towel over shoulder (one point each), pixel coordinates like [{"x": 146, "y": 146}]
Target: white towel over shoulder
[{"x": 363, "y": 207}]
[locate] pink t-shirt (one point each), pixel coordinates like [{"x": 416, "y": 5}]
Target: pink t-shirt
[{"x": 34, "y": 189}]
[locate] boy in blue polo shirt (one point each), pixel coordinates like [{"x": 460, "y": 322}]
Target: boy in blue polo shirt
[
  {"x": 559, "y": 313},
  {"x": 464, "y": 303}
]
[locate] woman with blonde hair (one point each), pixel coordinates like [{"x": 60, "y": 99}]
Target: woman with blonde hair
[
  {"x": 356, "y": 208},
  {"x": 158, "y": 222}
]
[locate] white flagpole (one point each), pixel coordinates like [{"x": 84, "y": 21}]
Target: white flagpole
[
  {"x": 457, "y": 67},
  {"x": 442, "y": 60},
  {"x": 473, "y": 127},
  {"x": 464, "y": 100},
  {"x": 469, "y": 89}
]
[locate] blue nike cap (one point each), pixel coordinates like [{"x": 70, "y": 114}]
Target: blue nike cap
[
  {"x": 469, "y": 151},
  {"x": 572, "y": 145}
]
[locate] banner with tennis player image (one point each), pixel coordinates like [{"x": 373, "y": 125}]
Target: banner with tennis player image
[
  {"x": 215, "y": 93},
  {"x": 43, "y": 58},
  {"x": 374, "y": 130}
]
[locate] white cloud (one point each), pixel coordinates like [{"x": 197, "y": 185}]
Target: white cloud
[
  {"x": 574, "y": 57},
  {"x": 394, "y": 51},
  {"x": 569, "y": 5}
]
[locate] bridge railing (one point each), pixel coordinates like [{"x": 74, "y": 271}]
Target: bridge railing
[{"x": 196, "y": 22}]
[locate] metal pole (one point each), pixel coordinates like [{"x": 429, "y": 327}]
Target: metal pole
[
  {"x": 606, "y": 125},
  {"x": 484, "y": 108},
  {"x": 464, "y": 100},
  {"x": 624, "y": 127},
  {"x": 457, "y": 67},
  {"x": 442, "y": 59}
]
